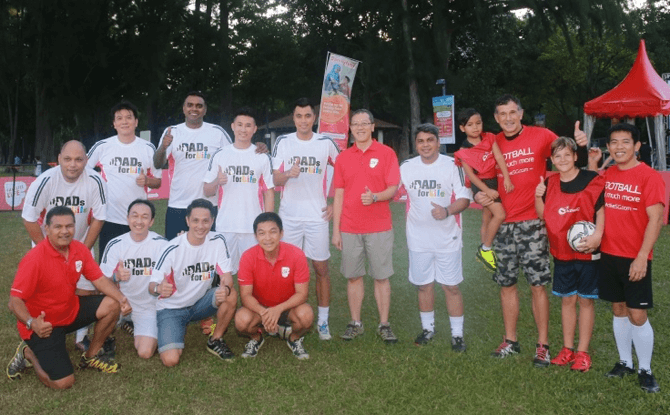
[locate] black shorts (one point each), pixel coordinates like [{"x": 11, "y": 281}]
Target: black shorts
[
  {"x": 175, "y": 222},
  {"x": 615, "y": 286},
  {"x": 490, "y": 183},
  {"x": 576, "y": 278},
  {"x": 51, "y": 352},
  {"x": 109, "y": 231}
]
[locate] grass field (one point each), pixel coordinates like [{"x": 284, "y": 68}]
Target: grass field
[{"x": 365, "y": 375}]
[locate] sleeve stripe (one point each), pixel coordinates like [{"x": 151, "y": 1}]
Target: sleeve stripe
[
  {"x": 165, "y": 254},
  {"x": 225, "y": 134},
  {"x": 95, "y": 146},
  {"x": 109, "y": 245},
  {"x": 39, "y": 191},
  {"x": 225, "y": 244},
  {"x": 332, "y": 141},
  {"x": 153, "y": 147},
  {"x": 211, "y": 160},
  {"x": 279, "y": 139},
  {"x": 461, "y": 175},
  {"x": 101, "y": 189}
]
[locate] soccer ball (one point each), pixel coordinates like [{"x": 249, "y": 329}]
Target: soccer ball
[{"x": 579, "y": 230}]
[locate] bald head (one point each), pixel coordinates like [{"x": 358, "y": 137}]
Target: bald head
[
  {"x": 72, "y": 160},
  {"x": 76, "y": 143}
]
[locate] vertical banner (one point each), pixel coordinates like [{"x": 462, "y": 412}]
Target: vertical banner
[
  {"x": 443, "y": 110},
  {"x": 335, "y": 98},
  {"x": 15, "y": 192}
]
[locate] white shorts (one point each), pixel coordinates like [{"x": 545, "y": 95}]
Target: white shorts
[
  {"x": 311, "y": 237},
  {"x": 238, "y": 243},
  {"x": 145, "y": 322},
  {"x": 444, "y": 267}
]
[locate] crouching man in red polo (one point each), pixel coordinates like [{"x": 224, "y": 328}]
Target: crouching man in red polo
[{"x": 274, "y": 282}]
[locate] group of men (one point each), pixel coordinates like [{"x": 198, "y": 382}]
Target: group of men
[{"x": 220, "y": 222}]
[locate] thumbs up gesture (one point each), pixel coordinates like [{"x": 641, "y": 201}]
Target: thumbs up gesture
[
  {"x": 221, "y": 177},
  {"x": 167, "y": 138},
  {"x": 40, "y": 327},
  {"x": 141, "y": 179},
  {"x": 368, "y": 197},
  {"x": 295, "y": 169},
  {"x": 439, "y": 212},
  {"x": 122, "y": 273},
  {"x": 541, "y": 188},
  {"x": 580, "y": 136}
]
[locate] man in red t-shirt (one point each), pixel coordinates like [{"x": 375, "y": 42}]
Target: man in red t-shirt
[
  {"x": 521, "y": 241},
  {"x": 634, "y": 203},
  {"x": 46, "y": 308},
  {"x": 274, "y": 283},
  {"x": 366, "y": 177}
]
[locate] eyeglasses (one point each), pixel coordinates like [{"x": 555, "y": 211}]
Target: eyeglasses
[{"x": 361, "y": 124}]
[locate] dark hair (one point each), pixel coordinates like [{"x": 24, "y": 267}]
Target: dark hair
[
  {"x": 506, "y": 99},
  {"x": 465, "y": 115},
  {"x": 124, "y": 105},
  {"x": 304, "y": 102},
  {"x": 245, "y": 111},
  {"x": 268, "y": 217},
  {"x": 196, "y": 94},
  {"x": 427, "y": 128},
  {"x": 630, "y": 128},
  {"x": 58, "y": 211},
  {"x": 143, "y": 202},
  {"x": 200, "y": 203},
  {"x": 363, "y": 111}
]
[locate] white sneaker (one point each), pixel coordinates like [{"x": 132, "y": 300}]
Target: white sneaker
[{"x": 324, "y": 331}]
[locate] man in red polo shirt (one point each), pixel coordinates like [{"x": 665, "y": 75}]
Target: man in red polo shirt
[
  {"x": 46, "y": 308},
  {"x": 274, "y": 282},
  {"x": 366, "y": 177}
]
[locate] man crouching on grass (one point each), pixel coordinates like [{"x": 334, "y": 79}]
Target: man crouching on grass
[
  {"x": 46, "y": 308},
  {"x": 274, "y": 282}
]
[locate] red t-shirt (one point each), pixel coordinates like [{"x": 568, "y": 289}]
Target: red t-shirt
[
  {"x": 273, "y": 284},
  {"x": 376, "y": 168},
  {"x": 628, "y": 193},
  {"x": 479, "y": 157},
  {"x": 526, "y": 159},
  {"x": 46, "y": 281},
  {"x": 562, "y": 210}
]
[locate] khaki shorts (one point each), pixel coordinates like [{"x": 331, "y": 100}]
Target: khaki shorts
[{"x": 376, "y": 247}]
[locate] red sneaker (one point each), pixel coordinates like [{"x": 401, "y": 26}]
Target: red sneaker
[
  {"x": 582, "y": 362},
  {"x": 565, "y": 357}
]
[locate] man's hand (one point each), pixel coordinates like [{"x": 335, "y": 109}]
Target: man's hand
[
  {"x": 295, "y": 170},
  {"x": 141, "y": 180},
  {"x": 367, "y": 198},
  {"x": 590, "y": 243},
  {"x": 221, "y": 294},
  {"x": 508, "y": 186},
  {"x": 125, "y": 306},
  {"x": 167, "y": 138},
  {"x": 165, "y": 289},
  {"x": 221, "y": 177},
  {"x": 493, "y": 194},
  {"x": 541, "y": 188},
  {"x": 595, "y": 154},
  {"x": 580, "y": 136},
  {"x": 327, "y": 213},
  {"x": 483, "y": 199},
  {"x": 42, "y": 328},
  {"x": 122, "y": 273},
  {"x": 337, "y": 240},
  {"x": 269, "y": 318},
  {"x": 439, "y": 212},
  {"x": 638, "y": 269},
  {"x": 261, "y": 148}
]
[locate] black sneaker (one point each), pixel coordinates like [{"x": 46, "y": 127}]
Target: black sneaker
[
  {"x": 219, "y": 348},
  {"x": 648, "y": 381},
  {"x": 298, "y": 349},
  {"x": 84, "y": 344},
  {"x": 620, "y": 370},
  {"x": 19, "y": 363},
  {"x": 100, "y": 362},
  {"x": 506, "y": 348},
  {"x": 424, "y": 338},
  {"x": 128, "y": 327},
  {"x": 109, "y": 347},
  {"x": 457, "y": 344},
  {"x": 542, "y": 357},
  {"x": 251, "y": 349}
]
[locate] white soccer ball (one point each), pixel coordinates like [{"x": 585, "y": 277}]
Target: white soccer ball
[{"x": 579, "y": 230}]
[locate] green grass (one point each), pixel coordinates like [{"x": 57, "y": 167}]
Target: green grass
[{"x": 362, "y": 376}]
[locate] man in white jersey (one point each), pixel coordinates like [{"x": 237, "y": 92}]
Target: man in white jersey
[
  {"x": 241, "y": 172},
  {"x": 126, "y": 165},
  {"x": 182, "y": 281},
  {"x": 131, "y": 259},
  {"x": 299, "y": 162},
  {"x": 436, "y": 195}
]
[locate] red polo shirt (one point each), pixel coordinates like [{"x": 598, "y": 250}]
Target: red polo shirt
[
  {"x": 46, "y": 281},
  {"x": 273, "y": 284},
  {"x": 376, "y": 168}
]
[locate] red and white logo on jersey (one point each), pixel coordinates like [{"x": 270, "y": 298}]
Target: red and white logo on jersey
[
  {"x": 78, "y": 265},
  {"x": 567, "y": 209},
  {"x": 373, "y": 163},
  {"x": 285, "y": 271}
]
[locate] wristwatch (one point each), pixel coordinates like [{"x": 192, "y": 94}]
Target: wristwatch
[
  {"x": 29, "y": 323},
  {"x": 374, "y": 198},
  {"x": 156, "y": 289}
]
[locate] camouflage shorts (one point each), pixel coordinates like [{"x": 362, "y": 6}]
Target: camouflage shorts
[{"x": 522, "y": 243}]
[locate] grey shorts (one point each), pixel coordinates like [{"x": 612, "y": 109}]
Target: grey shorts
[
  {"x": 376, "y": 247},
  {"x": 522, "y": 245}
]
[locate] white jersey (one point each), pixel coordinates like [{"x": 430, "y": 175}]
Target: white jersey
[
  {"x": 140, "y": 258},
  {"x": 304, "y": 197},
  {"x": 190, "y": 269},
  {"x": 440, "y": 182},
  {"x": 188, "y": 156},
  {"x": 120, "y": 165},
  {"x": 248, "y": 173}
]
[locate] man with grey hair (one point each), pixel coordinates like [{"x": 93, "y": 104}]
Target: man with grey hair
[{"x": 366, "y": 178}]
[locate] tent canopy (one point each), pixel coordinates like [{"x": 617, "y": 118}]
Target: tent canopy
[{"x": 642, "y": 93}]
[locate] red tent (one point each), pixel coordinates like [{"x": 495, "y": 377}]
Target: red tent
[{"x": 642, "y": 93}]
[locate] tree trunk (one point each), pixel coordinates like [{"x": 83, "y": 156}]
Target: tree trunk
[
  {"x": 225, "y": 71},
  {"x": 415, "y": 108},
  {"x": 405, "y": 137},
  {"x": 44, "y": 145}
]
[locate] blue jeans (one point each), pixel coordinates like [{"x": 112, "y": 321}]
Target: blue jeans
[{"x": 172, "y": 322}]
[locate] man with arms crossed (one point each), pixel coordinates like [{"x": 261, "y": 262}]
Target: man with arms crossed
[
  {"x": 300, "y": 160},
  {"x": 46, "y": 307},
  {"x": 274, "y": 282},
  {"x": 366, "y": 178},
  {"x": 434, "y": 233},
  {"x": 182, "y": 281}
]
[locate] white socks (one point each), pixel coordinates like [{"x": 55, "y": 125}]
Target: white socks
[
  {"x": 643, "y": 339},
  {"x": 623, "y": 337},
  {"x": 456, "y": 326},
  {"x": 428, "y": 320},
  {"x": 323, "y": 315}
]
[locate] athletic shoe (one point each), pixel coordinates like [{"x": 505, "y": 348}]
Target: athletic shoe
[
  {"x": 206, "y": 326},
  {"x": 620, "y": 370},
  {"x": 109, "y": 347},
  {"x": 565, "y": 357},
  {"x": 353, "y": 330},
  {"x": 324, "y": 331},
  {"x": 487, "y": 258},
  {"x": 457, "y": 344},
  {"x": 386, "y": 334},
  {"x": 219, "y": 348},
  {"x": 19, "y": 363},
  {"x": 506, "y": 348},
  {"x": 251, "y": 349},
  {"x": 541, "y": 355},
  {"x": 648, "y": 381},
  {"x": 298, "y": 349},
  {"x": 100, "y": 361},
  {"x": 128, "y": 327},
  {"x": 424, "y": 338},
  {"x": 83, "y": 345},
  {"x": 284, "y": 332},
  {"x": 582, "y": 362}
]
